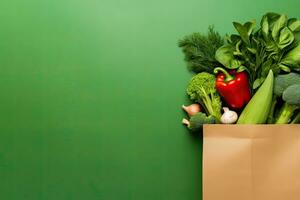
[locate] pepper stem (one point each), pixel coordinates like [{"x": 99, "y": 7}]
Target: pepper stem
[{"x": 228, "y": 77}]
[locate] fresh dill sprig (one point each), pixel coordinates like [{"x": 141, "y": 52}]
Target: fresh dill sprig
[{"x": 199, "y": 50}]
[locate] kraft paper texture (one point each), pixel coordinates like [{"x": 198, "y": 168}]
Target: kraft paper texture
[{"x": 251, "y": 162}]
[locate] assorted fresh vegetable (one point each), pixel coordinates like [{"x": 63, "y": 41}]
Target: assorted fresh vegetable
[
  {"x": 202, "y": 90},
  {"x": 287, "y": 88},
  {"x": 196, "y": 122},
  {"x": 233, "y": 87},
  {"x": 257, "y": 110},
  {"x": 273, "y": 46},
  {"x": 254, "y": 73},
  {"x": 199, "y": 50},
  {"x": 229, "y": 116},
  {"x": 192, "y": 109},
  {"x": 291, "y": 97}
]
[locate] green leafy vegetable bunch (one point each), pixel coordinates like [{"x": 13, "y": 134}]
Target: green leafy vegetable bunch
[{"x": 275, "y": 46}]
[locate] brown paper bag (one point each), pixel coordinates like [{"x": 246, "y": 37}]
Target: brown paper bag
[{"x": 251, "y": 162}]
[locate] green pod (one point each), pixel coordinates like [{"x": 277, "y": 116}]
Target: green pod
[{"x": 257, "y": 110}]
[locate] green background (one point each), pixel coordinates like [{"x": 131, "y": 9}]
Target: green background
[{"x": 91, "y": 94}]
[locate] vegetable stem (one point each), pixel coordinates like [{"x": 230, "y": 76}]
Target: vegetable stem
[
  {"x": 227, "y": 75},
  {"x": 286, "y": 113},
  {"x": 296, "y": 119}
]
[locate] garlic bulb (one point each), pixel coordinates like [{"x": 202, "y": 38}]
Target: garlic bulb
[
  {"x": 192, "y": 109},
  {"x": 229, "y": 116}
]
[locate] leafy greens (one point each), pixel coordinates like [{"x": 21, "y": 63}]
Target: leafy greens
[{"x": 274, "y": 46}]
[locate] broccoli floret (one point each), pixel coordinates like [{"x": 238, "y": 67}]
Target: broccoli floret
[
  {"x": 291, "y": 96},
  {"x": 196, "y": 121},
  {"x": 202, "y": 89},
  {"x": 282, "y": 82}
]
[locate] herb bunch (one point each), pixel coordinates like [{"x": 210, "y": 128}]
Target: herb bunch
[{"x": 199, "y": 50}]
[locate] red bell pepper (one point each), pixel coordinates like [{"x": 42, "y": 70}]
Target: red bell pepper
[{"x": 233, "y": 87}]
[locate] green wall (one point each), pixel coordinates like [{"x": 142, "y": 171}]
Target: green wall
[{"x": 91, "y": 94}]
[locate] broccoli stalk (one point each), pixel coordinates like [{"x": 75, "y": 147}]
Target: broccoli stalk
[
  {"x": 201, "y": 88},
  {"x": 208, "y": 102},
  {"x": 296, "y": 119},
  {"x": 286, "y": 113}
]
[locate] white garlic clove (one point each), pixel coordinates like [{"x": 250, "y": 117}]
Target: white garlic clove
[{"x": 229, "y": 116}]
